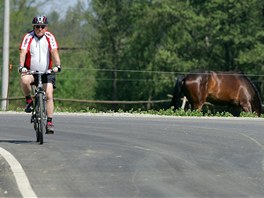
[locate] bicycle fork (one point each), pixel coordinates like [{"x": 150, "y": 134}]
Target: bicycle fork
[{"x": 35, "y": 110}]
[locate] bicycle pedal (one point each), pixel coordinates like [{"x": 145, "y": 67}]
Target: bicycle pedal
[
  {"x": 29, "y": 110},
  {"x": 32, "y": 118}
]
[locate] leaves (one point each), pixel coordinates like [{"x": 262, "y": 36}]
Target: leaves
[{"x": 133, "y": 49}]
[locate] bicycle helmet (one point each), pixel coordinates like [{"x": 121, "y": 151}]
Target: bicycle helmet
[{"x": 40, "y": 20}]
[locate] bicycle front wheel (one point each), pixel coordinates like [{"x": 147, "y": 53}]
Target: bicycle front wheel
[{"x": 41, "y": 117}]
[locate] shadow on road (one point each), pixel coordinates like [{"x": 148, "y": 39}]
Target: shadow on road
[{"x": 17, "y": 141}]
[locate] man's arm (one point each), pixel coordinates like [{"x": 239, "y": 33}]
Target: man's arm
[
  {"x": 56, "y": 57},
  {"x": 22, "y": 57}
]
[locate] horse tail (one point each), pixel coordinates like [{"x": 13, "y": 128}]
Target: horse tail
[
  {"x": 257, "y": 107},
  {"x": 177, "y": 93},
  {"x": 256, "y": 103}
]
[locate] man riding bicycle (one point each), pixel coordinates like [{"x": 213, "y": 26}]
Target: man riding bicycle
[{"x": 37, "y": 51}]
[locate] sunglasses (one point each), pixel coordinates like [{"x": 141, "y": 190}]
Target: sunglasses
[{"x": 40, "y": 26}]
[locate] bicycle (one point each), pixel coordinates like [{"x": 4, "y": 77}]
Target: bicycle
[{"x": 39, "y": 113}]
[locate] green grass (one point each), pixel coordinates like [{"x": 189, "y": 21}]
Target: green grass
[{"x": 165, "y": 112}]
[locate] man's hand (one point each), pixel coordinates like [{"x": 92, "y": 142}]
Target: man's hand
[
  {"x": 56, "y": 69},
  {"x": 22, "y": 69}
]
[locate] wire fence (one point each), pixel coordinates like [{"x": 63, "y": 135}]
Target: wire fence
[
  {"x": 97, "y": 101},
  {"x": 161, "y": 101}
]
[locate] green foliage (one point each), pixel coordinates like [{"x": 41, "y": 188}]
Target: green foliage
[
  {"x": 133, "y": 50},
  {"x": 161, "y": 112}
]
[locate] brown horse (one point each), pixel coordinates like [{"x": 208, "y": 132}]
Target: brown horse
[{"x": 220, "y": 88}]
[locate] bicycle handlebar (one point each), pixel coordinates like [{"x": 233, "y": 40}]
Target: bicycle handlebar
[{"x": 30, "y": 72}]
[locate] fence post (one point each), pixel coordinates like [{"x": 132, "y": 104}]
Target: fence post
[{"x": 5, "y": 56}]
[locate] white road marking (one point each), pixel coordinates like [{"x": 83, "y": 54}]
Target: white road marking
[
  {"x": 257, "y": 143},
  {"x": 142, "y": 148},
  {"x": 20, "y": 175}
]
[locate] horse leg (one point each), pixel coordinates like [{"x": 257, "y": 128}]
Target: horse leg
[{"x": 246, "y": 106}]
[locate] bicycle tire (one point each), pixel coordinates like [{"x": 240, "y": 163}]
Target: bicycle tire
[
  {"x": 41, "y": 117},
  {"x": 37, "y": 130},
  {"x": 39, "y": 134},
  {"x": 34, "y": 119},
  {"x": 37, "y": 123}
]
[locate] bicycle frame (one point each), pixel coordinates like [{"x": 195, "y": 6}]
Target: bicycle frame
[{"x": 39, "y": 114}]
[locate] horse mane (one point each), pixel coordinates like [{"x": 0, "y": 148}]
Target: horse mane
[{"x": 177, "y": 93}]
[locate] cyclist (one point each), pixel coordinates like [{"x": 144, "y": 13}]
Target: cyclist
[{"x": 38, "y": 50}]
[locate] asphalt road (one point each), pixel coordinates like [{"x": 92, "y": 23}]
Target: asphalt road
[{"x": 110, "y": 156}]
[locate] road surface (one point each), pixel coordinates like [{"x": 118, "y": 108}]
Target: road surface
[{"x": 131, "y": 156}]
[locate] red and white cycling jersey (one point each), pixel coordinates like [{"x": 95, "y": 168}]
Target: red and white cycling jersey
[{"x": 38, "y": 56}]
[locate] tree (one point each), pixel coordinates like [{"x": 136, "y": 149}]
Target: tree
[
  {"x": 111, "y": 21},
  {"x": 133, "y": 49},
  {"x": 232, "y": 30},
  {"x": 165, "y": 38}
]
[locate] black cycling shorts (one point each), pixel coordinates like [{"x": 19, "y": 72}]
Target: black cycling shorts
[{"x": 46, "y": 78}]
